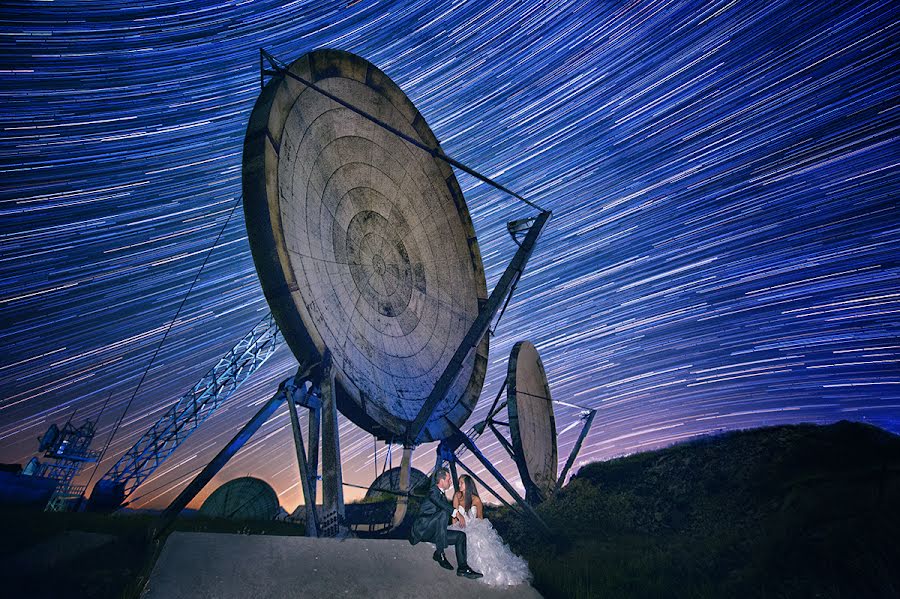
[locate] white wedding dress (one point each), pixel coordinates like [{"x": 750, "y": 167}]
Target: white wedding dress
[{"x": 489, "y": 555}]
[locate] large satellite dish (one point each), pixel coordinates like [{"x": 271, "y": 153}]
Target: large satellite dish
[
  {"x": 363, "y": 243},
  {"x": 532, "y": 425}
]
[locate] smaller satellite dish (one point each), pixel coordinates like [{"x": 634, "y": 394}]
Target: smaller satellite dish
[
  {"x": 244, "y": 498},
  {"x": 389, "y": 482},
  {"x": 532, "y": 425}
]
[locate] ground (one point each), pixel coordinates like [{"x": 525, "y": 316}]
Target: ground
[{"x": 223, "y": 566}]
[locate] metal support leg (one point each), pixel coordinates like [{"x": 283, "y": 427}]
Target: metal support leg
[
  {"x": 315, "y": 415},
  {"x": 311, "y": 525},
  {"x": 403, "y": 500},
  {"x": 438, "y": 460},
  {"x": 332, "y": 481},
  {"x": 195, "y": 486},
  {"x": 454, "y": 474}
]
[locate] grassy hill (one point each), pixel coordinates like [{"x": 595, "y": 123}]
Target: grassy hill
[{"x": 788, "y": 511}]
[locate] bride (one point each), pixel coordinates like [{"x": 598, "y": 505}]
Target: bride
[{"x": 487, "y": 552}]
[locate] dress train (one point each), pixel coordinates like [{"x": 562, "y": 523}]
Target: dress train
[{"x": 489, "y": 555}]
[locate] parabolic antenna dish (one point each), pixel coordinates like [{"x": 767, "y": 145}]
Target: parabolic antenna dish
[
  {"x": 363, "y": 243},
  {"x": 244, "y": 498},
  {"x": 389, "y": 481},
  {"x": 532, "y": 425}
]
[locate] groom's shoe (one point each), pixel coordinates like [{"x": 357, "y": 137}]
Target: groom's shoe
[
  {"x": 468, "y": 572},
  {"x": 441, "y": 559}
]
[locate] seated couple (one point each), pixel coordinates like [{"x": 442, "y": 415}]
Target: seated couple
[{"x": 476, "y": 542}]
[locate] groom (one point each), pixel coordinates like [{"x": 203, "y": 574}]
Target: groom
[{"x": 431, "y": 525}]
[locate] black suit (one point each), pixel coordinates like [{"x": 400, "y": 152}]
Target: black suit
[{"x": 431, "y": 525}]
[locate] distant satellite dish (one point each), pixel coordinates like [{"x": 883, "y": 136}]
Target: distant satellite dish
[
  {"x": 389, "y": 481},
  {"x": 48, "y": 439},
  {"x": 32, "y": 468},
  {"x": 532, "y": 424},
  {"x": 246, "y": 498},
  {"x": 363, "y": 243}
]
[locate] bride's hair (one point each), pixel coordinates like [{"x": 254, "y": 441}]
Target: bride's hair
[{"x": 471, "y": 490}]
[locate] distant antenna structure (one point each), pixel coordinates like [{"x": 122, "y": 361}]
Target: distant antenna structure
[{"x": 66, "y": 452}]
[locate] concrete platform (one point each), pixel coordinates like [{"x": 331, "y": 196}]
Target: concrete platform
[{"x": 200, "y": 565}]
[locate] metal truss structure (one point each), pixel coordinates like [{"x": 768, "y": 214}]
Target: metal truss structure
[{"x": 187, "y": 414}]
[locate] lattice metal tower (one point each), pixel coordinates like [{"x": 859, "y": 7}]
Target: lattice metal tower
[{"x": 188, "y": 413}]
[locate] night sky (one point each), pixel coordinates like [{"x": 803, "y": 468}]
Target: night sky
[{"x": 723, "y": 251}]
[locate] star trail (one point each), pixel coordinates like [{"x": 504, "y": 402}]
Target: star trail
[{"x": 723, "y": 252}]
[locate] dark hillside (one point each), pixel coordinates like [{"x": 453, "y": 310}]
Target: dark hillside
[{"x": 789, "y": 511}]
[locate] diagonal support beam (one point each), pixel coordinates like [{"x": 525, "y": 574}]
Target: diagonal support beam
[
  {"x": 503, "y": 442},
  {"x": 484, "y": 485},
  {"x": 470, "y": 445},
  {"x": 576, "y": 449},
  {"x": 477, "y": 330}
]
